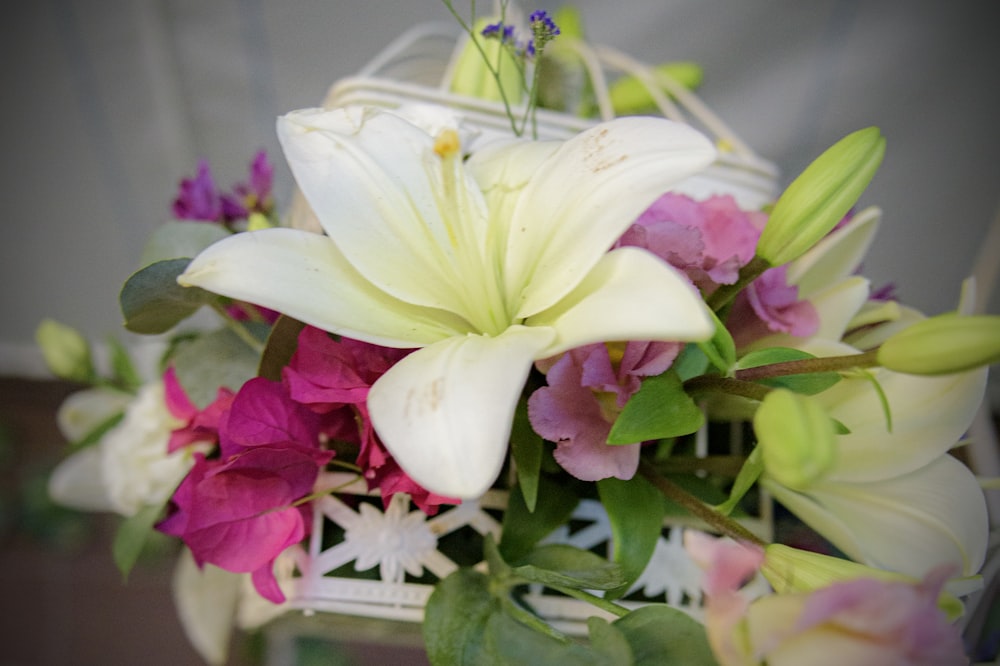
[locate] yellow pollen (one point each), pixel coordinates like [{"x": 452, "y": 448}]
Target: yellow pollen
[{"x": 446, "y": 144}]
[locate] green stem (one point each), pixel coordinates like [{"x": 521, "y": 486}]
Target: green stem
[
  {"x": 723, "y": 465},
  {"x": 715, "y": 520},
  {"x": 721, "y": 297},
  {"x": 532, "y": 620},
  {"x": 713, "y": 384},
  {"x": 241, "y": 332},
  {"x": 809, "y": 365},
  {"x": 600, "y": 602}
]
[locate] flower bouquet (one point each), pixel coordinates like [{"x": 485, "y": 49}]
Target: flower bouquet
[{"x": 528, "y": 359}]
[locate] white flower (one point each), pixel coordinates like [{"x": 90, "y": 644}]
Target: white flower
[
  {"x": 897, "y": 500},
  {"x": 129, "y": 468},
  {"x": 485, "y": 266}
]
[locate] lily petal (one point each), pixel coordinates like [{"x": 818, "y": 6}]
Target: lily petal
[
  {"x": 305, "y": 276},
  {"x": 838, "y": 304},
  {"x": 78, "y": 482},
  {"x": 909, "y": 524},
  {"x": 836, "y": 256},
  {"x": 374, "y": 181},
  {"x": 559, "y": 232},
  {"x": 929, "y": 414},
  {"x": 445, "y": 411},
  {"x": 206, "y": 599},
  {"x": 629, "y": 295}
]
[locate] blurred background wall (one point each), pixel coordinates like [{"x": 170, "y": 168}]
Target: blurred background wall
[{"x": 108, "y": 103}]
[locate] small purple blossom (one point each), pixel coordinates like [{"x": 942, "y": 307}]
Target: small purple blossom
[
  {"x": 199, "y": 199},
  {"x": 771, "y": 305},
  {"x": 587, "y": 389}
]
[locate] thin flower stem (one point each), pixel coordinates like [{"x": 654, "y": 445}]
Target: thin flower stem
[
  {"x": 592, "y": 599},
  {"x": 239, "y": 329},
  {"x": 723, "y": 465},
  {"x": 715, "y": 520},
  {"x": 532, "y": 620},
  {"x": 809, "y": 365},
  {"x": 323, "y": 493},
  {"x": 722, "y": 296},
  {"x": 740, "y": 387}
]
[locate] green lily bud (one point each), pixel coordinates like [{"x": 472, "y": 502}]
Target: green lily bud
[
  {"x": 472, "y": 77},
  {"x": 820, "y": 197},
  {"x": 796, "y": 438},
  {"x": 791, "y": 570},
  {"x": 943, "y": 345},
  {"x": 66, "y": 352},
  {"x": 630, "y": 96}
]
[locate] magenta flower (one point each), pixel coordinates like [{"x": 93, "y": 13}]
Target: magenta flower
[
  {"x": 239, "y": 511},
  {"x": 253, "y": 196},
  {"x": 333, "y": 377},
  {"x": 586, "y": 391},
  {"x": 200, "y": 425},
  {"x": 197, "y": 198},
  {"x": 771, "y": 305},
  {"x": 708, "y": 240}
]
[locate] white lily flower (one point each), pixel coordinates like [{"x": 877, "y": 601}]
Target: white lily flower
[
  {"x": 485, "y": 266},
  {"x": 895, "y": 498}
]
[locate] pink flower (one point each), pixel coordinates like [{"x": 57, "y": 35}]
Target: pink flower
[
  {"x": 708, "y": 240},
  {"x": 200, "y": 425},
  {"x": 862, "y": 622},
  {"x": 770, "y": 305},
  {"x": 586, "y": 391},
  {"x": 239, "y": 511},
  {"x": 333, "y": 377}
]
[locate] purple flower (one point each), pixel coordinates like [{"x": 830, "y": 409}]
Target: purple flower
[
  {"x": 333, "y": 377},
  {"x": 586, "y": 391},
  {"x": 254, "y": 196},
  {"x": 197, "y": 198},
  {"x": 771, "y": 305},
  {"x": 239, "y": 511},
  {"x": 708, "y": 240}
]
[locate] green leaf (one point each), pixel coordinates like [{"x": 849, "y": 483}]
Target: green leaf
[
  {"x": 609, "y": 642},
  {"x": 749, "y": 473},
  {"x": 153, "y": 302},
  {"x": 132, "y": 535},
  {"x": 177, "y": 239},
  {"x": 206, "y": 362},
  {"x": 522, "y": 529},
  {"x": 806, "y": 384},
  {"x": 509, "y": 642},
  {"x": 455, "y": 619},
  {"x": 659, "y": 409},
  {"x": 527, "y": 447},
  {"x": 659, "y": 634},
  {"x": 691, "y": 362},
  {"x": 95, "y": 435},
  {"x": 563, "y": 565},
  {"x": 720, "y": 349},
  {"x": 636, "y": 511},
  {"x": 123, "y": 370},
  {"x": 281, "y": 345}
]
